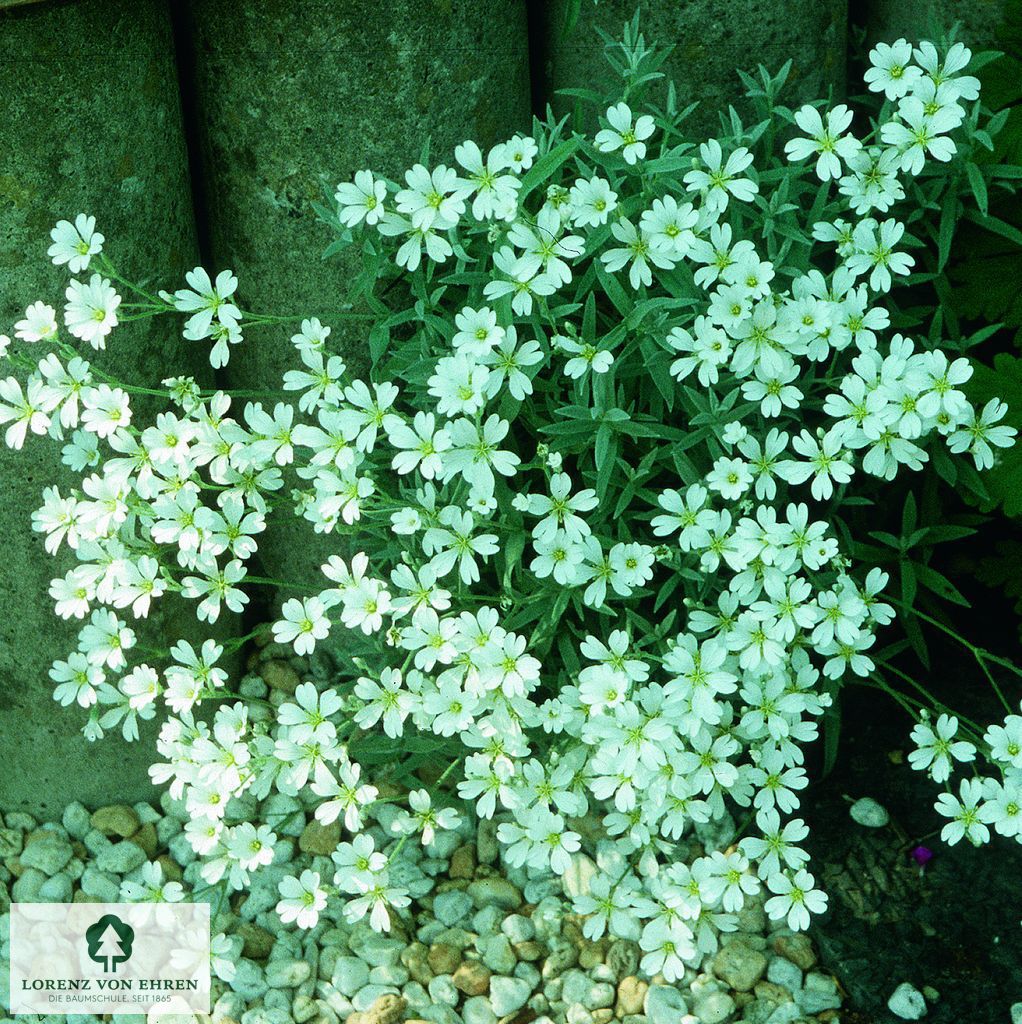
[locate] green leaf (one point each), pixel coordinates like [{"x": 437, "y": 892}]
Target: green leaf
[
  {"x": 1003, "y": 380},
  {"x": 979, "y": 187},
  {"x": 544, "y": 168}
]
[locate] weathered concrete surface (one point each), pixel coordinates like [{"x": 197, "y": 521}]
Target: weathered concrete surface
[
  {"x": 89, "y": 121},
  {"x": 711, "y": 38},
  {"x": 981, "y": 20},
  {"x": 289, "y": 91}
]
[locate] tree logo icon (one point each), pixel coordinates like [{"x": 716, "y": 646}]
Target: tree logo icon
[{"x": 109, "y": 941}]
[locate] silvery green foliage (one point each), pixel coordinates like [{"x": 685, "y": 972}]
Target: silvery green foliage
[{"x": 622, "y": 387}]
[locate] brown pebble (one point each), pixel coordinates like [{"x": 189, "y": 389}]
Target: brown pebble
[
  {"x": 320, "y": 840},
  {"x": 257, "y": 940},
  {"x": 592, "y": 953},
  {"x": 529, "y": 950},
  {"x": 279, "y": 675},
  {"x": 631, "y": 996},
  {"x": 463, "y": 862},
  {"x": 388, "y": 1009},
  {"x": 145, "y": 838},
  {"x": 603, "y": 1016},
  {"x": 172, "y": 871},
  {"x": 443, "y": 959},
  {"x": 116, "y": 820},
  {"x": 774, "y": 993},
  {"x": 797, "y": 948},
  {"x": 472, "y": 978}
]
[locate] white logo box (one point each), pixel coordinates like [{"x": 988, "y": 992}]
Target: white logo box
[{"x": 109, "y": 958}]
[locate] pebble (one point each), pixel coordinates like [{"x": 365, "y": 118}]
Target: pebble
[
  {"x": 100, "y": 885},
  {"x": 279, "y": 675},
  {"x": 442, "y": 990},
  {"x": 248, "y": 980},
  {"x": 739, "y": 966},
  {"x": 562, "y": 955},
  {"x": 869, "y": 813},
  {"x": 47, "y": 850},
  {"x": 388, "y": 974},
  {"x": 714, "y": 1008},
  {"x": 287, "y": 973},
  {"x": 320, "y": 840},
  {"x": 622, "y": 958},
  {"x": 498, "y": 955},
  {"x": 578, "y": 879},
  {"x": 387, "y": 1009},
  {"x": 631, "y": 994},
  {"x": 366, "y": 998},
  {"x": 477, "y": 1010},
  {"x": 463, "y": 862},
  {"x": 518, "y": 928},
  {"x": 452, "y": 907},
  {"x": 443, "y": 959},
  {"x": 120, "y": 858},
  {"x": 472, "y": 978},
  {"x": 487, "y": 848},
  {"x": 820, "y": 992},
  {"x": 116, "y": 820},
  {"x": 664, "y": 1004},
  {"x": 907, "y": 1002},
  {"x": 350, "y": 974},
  {"x": 26, "y": 888},
  {"x": 798, "y": 948},
  {"x": 487, "y": 921},
  {"x": 10, "y": 842},
  {"x": 76, "y": 820},
  {"x": 784, "y": 973},
  {"x": 303, "y": 1009},
  {"x": 56, "y": 889},
  {"x": 508, "y": 995},
  {"x": 1016, "y": 1013},
  {"x": 495, "y": 892}
]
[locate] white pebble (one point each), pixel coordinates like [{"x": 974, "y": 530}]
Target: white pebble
[
  {"x": 869, "y": 813},
  {"x": 907, "y": 1002}
]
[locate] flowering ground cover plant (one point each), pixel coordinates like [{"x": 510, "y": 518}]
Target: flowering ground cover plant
[{"x": 624, "y": 389}]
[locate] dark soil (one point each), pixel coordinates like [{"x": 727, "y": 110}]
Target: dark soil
[{"x": 955, "y": 926}]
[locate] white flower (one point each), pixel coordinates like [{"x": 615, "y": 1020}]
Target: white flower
[
  {"x": 22, "y": 409},
  {"x": 623, "y": 135},
  {"x": 75, "y": 244},
  {"x": 891, "y": 71},
  {"x": 874, "y": 253},
  {"x": 826, "y": 139},
  {"x": 937, "y": 748},
  {"x": 638, "y": 250},
  {"x": 302, "y": 901},
  {"x": 592, "y": 202},
  {"x": 433, "y": 199},
  {"x": 796, "y": 899},
  {"x": 965, "y": 814},
  {"x": 91, "y": 310},
  {"x": 721, "y": 180},
  {"x": 921, "y": 135},
  {"x": 305, "y": 622},
  {"x": 361, "y": 200},
  {"x": 39, "y": 323},
  {"x": 495, "y": 192}
]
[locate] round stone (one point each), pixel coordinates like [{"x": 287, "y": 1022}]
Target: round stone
[{"x": 907, "y": 1002}]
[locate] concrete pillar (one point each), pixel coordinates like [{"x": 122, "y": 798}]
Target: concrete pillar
[
  {"x": 90, "y": 121},
  {"x": 711, "y": 38},
  {"x": 292, "y": 93},
  {"x": 981, "y": 20}
]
